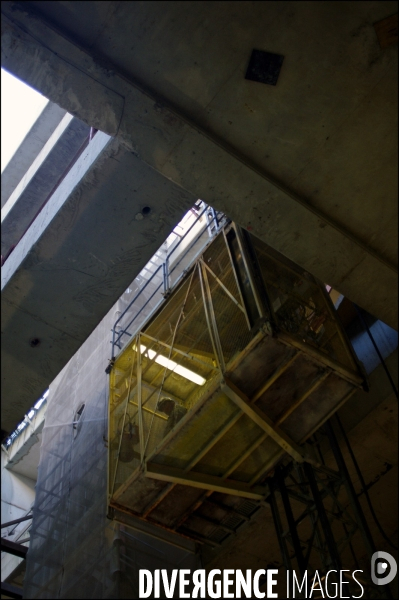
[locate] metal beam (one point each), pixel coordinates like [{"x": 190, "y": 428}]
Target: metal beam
[
  {"x": 158, "y": 533},
  {"x": 277, "y": 373},
  {"x": 210, "y": 318},
  {"x": 224, "y": 288},
  {"x": 321, "y": 357},
  {"x": 227, "y": 508},
  {"x": 325, "y": 523},
  {"x": 11, "y": 591},
  {"x": 208, "y": 482},
  {"x": 280, "y": 532},
  {"x": 291, "y": 523},
  {"x": 13, "y": 548},
  {"x": 16, "y": 521},
  {"x": 263, "y": 421},
  {"x": 353, "y": 498},
  {"x": 312, "y": 387}
]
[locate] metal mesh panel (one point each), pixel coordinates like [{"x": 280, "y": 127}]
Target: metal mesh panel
[
  {"x": 174, "y": 348},
  {"x": 161, "y": 274},
  {"x": 75, "y": 550},
  {"x": 69, "y": 555},
  {"x": 299, "y": 305},
  {"x": 225, "y": 300}
]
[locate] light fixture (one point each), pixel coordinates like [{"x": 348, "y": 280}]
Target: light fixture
[{"x": 172, "y": 366}]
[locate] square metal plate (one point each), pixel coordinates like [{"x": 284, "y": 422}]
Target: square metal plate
[{"x": 264, "y": 67}]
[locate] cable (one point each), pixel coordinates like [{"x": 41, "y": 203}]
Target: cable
[
  {"x": 363, "y": 483},
  {"x": 363, "y": 321}
]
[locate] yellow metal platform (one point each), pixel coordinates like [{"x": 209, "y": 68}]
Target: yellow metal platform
[{"x": 240, "y": 366}]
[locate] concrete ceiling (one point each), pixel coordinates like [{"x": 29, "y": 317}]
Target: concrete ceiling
[{"x": 308, "y": 165}]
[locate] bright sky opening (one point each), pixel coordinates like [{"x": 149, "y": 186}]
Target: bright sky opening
[{"x": 20, "y": 107}]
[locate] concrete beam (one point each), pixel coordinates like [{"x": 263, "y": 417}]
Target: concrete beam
[
  {"x": 30, "y": 147},
  {"x": 198, "y": 161},
  {"x": 80, "y": 254},
  {"x": 43, "y": 175}
]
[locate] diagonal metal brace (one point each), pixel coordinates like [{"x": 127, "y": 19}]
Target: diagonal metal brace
[{"x": 263, "y": 421}]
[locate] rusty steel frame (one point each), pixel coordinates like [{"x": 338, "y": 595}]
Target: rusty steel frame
[{"x": 311, "y": 487}]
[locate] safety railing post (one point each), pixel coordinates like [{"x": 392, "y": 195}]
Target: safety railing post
[{"x": 165, "y": 268}]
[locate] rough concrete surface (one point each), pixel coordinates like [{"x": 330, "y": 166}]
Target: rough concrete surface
[
  {"x": 306, "y": 165},
  {"x": 59, "y": 279}
]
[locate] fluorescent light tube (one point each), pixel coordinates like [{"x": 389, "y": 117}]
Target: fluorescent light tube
[{"x": 173, "y": 366}]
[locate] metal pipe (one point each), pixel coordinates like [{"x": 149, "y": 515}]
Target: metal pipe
[
  {"x": 188, "y": 231},
  {"x": 123, "y": 427},
  {"x": 124, "y": 331},
  {"x": 166, "y": 274},
  {"x": 279, "y": 530},
  {"x": 363, "y": 483},
  {"x": 313, "y": 519},
  {"x": 291, "y": 523},
  {"x": 139, "y": 403},
  {"x": 136, "y": 296},
  {"x": 325, "y": 524},
  {"x": 165, "y": 277},
  {"x": 208, "y": 321},
  {"x": 16, "y": 521},
  {"x": 357, "y": 509},
  {"x": 224, "y": 288},
  {"x": 213, "y": 317},
  {"x": 187, "y": 250}
]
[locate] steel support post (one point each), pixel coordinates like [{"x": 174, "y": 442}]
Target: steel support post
[
  {"x": 353, "y": 499},
  {"x": 291, "y": 523},
  {"x": 279, "y": 530},
  {"x": 313, "y": 518},
  {"x": 325, "y": 523},
  {"x": 165, "y": 270}
]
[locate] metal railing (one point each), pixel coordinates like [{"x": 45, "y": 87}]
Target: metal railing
[{"x": 214, "y": 221}]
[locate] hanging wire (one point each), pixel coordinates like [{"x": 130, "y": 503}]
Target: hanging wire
[
  {"x": 170, "y": 353},
  {"x": 363, "y": 483},
  {"x": 123, "y": 425}
]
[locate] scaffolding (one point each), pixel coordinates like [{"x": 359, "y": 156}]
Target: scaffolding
[
  {"x": 75, "y": 550},
  {"x": 235, "y": 371},
  {"x": 319, "y": 522},
  {"x": 213, "y": 404}
]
